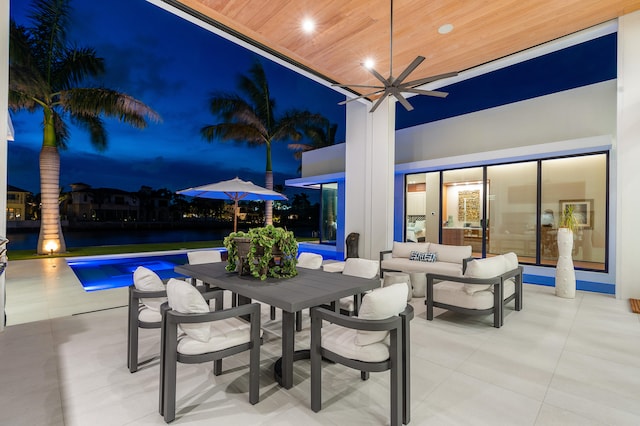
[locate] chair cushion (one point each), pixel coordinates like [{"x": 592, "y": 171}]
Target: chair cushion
[
  {"x": 342, "y": 341},
  {"x": 204, "y": 256},
  {"x": 223, "y": 334},
  {"x": 149, "y": 315},
  {"x": 404, "y": 249},
  {"x": 145, "y": 279},
  {"x": 309, "y": 260},
  {"x": 448, "y": 253},
  {"x": 381, "y": 303},
  {"x": 186, "y": 299},
  {"x": 333, "y": 267},
  {"x": 452, "y": 293},
  {"x": 363, "y": 268},
  {"x": 484, "y": 268}
]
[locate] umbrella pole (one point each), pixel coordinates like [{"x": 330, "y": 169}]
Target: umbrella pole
[{"x": 235, "y": 215}]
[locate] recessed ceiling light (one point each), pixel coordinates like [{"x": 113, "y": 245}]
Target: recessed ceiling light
[
  {"x": 308, "y": 25},
  {"x": 445, "y": 29},
  {"x": 368, "y": 63}
]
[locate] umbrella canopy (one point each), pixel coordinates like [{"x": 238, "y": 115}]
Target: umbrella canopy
[{"x": 234, "y": 189}]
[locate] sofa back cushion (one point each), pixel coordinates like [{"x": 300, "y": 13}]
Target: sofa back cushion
[
  {"x": 448, "y": 253},
  {"x": 380, "y": 304},
  {"x": 488, "y": 268},
  {"x": 405, "y": 249}
]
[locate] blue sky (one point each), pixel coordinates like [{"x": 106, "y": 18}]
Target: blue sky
[{"x": 173, "y": 66}]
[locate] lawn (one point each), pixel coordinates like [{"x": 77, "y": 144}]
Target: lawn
[{"x": 128, "y": 248}]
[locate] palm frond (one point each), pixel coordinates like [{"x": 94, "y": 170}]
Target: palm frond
[
  {"x": 95, "y": 126},
  {"x": 50, "y": 20},
  {"x": 75, "y": 66},
  {"x": 107, "y": 102},
  {"x": 61, "y": 131},
  {"x": 227, "y": 105},
  {"x": 238, "y": 132}
]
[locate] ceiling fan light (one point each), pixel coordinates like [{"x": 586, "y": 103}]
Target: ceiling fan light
[
  {"x": 369, "y": 63},
  {"x": 445, "y": 29}
]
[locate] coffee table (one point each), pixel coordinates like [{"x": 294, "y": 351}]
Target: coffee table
[{"x": 308, "y": 289}]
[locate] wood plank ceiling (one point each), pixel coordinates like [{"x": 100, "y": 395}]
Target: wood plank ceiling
[{"x": 349, "y": 31}]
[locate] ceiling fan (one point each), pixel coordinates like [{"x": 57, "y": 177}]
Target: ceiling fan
[{"x": 396, "y": 86}]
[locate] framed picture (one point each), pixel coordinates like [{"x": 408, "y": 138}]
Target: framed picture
[{"x": 582, "y": 210}]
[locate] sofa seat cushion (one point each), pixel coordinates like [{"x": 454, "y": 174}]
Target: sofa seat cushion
[
  {"x": 342, "y": 341},
  {"x": 452, "y": 293},
  {"x": 406, "y": 265}
]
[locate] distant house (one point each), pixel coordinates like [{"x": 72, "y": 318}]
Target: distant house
[
  {"x": 85, "y": 203},
  {"x": 16, "y": 203}
]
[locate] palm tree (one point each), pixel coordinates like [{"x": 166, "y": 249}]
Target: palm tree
[
  {"x": 46, "y": 72},
  {"x": 319, "y": 135},
  {"x": 253, "y": 120}
]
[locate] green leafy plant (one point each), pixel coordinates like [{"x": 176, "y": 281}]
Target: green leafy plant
[
  {"x": 568, "y": 219},
  {"x": 272, "y": 253}
]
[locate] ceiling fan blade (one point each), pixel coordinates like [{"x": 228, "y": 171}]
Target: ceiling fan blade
[
  {"x": 379, "y": 101},
  {"x": 360, "y": 97},
  {"x": 378, "y": 76},
  {"x": 408, "y": 70},
  {"x": 358, "y": 85},
  {"x": 426, "y": 92},
  {"x": 426, "y": 80},
  {"x": 402, "y": 100}
]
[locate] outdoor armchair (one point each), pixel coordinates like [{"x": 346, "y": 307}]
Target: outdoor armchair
[
  {"x": 206, "y": 336},
  {"x": 377, "y": 340}
]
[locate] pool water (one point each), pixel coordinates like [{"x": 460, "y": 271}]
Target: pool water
[{"x": 107, "y": 272}]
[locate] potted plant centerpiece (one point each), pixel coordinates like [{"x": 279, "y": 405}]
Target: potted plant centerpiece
[
  {"x": 565, "y": 274},
  {"x": 263, "y": 252}
]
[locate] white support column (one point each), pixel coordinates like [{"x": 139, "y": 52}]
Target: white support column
[
  {"x": 627, "y": 157},
  {"x": 369, "y": 172},
  {"x": 4, "y": 118}
]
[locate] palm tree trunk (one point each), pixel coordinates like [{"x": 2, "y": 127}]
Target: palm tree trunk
[
  {"x": 51, "y": 238},
  {"x": 268, "y": 205}
]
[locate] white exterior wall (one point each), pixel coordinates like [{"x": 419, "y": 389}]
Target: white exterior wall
[
  {"x": 4, "y": 93},
  {"x": 573, "y": 114},
  {"x": 627, "y": 153}
]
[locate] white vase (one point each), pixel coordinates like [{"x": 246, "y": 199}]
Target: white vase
[{"x": 565, "y": 274}]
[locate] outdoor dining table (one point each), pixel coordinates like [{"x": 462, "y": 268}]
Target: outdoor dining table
[{"x": 307, "y": 289}]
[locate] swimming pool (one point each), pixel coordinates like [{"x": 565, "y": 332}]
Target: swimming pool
[
  {"x": 113, "y": 271},
  {"x": 107, "y": 272}
]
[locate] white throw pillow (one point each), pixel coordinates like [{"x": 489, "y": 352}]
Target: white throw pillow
[
  {"x": 204, "y": 256},
  {"x": 186, "y": 299},
  {"x": 363, "y": 268},
  {"x": 405, "y": 249},
  {"x": 484, "y": 268},
  {"x": 145, "y": 279},
  {"x": 310, "y": 260},
  {"x": 378, "y": 304}
]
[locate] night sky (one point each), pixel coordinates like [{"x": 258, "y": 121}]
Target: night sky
[{"x": 173, "y": 66}]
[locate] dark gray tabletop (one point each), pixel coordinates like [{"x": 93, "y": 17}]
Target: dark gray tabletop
[{"x": 309, "y": 288}]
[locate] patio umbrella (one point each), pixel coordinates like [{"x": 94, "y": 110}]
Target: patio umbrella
[{"x": 233, "y": 189}]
